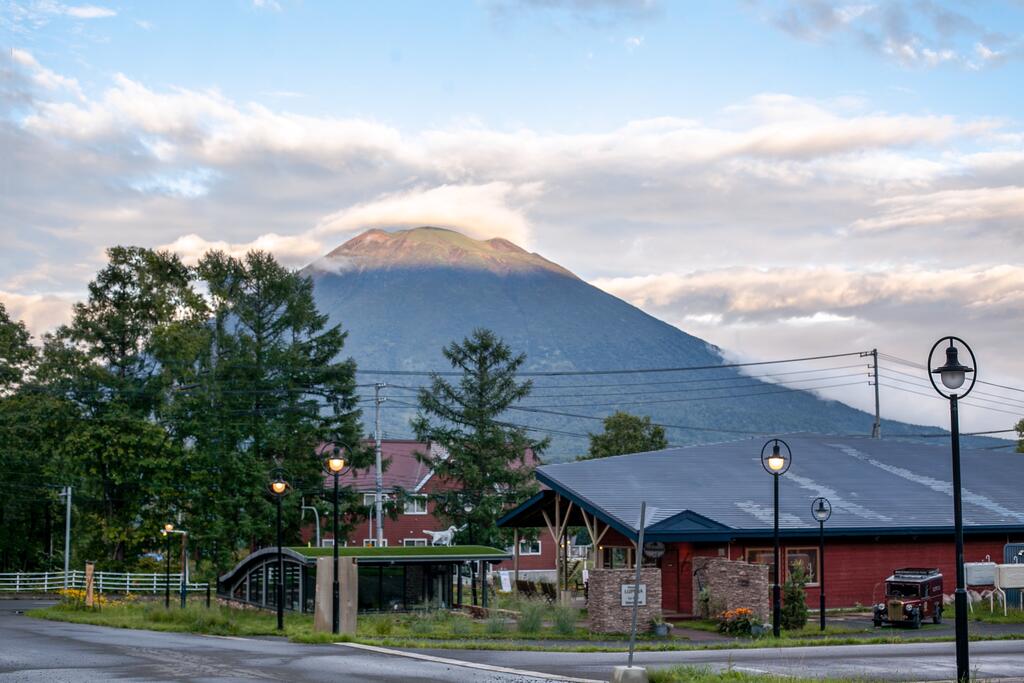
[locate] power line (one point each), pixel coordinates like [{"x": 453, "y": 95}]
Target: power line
[{"x": 582, "y": 373}]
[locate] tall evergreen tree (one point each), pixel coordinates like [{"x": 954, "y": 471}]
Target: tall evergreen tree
[
  {"x": 485, "y": 457},
  {"x": 625, "y": 433},
  {"x": 109, "y": 364},
  {"x": 264, "y": 390}
]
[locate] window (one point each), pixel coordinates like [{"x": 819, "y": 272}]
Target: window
[
  {"x": 415, "y": 505},
  {"x": 613, "y": 557},
  {"x": 763, "y": 556},
  {"x": 372, "y": 543},
  {"x": 369, "y": 499},
  {"x": 414, "y": 542},
  {"x": 808, "y": 557},
  {"x": 527, "y": 547}
]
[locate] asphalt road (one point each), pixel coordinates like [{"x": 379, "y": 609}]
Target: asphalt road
[
  {"x": 991, "y": 660},
  {"x": 35, "y": 650}
]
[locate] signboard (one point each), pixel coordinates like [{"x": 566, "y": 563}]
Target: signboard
[
  {"x": 506, "y": 581},
  {"x": 980, "y": 573},
  {"x": 654, "y": 549},
  {"x": 627, "y": 594}
]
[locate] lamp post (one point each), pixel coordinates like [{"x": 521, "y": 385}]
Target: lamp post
[
  {"x": 953, "y": 374},
  {"x": 822, "y": 510},
  {"x": 166, "y": 531},
  {"x": 278, "y": 488},
  {"x": 776, "y": 464},
  {"x": 335, "y": 465}
]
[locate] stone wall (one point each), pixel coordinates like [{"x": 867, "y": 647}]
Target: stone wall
[
  {"x": 605, "y": 610},
  {"x": 731, "y": 585}
]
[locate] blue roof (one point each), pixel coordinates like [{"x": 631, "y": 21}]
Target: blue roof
[{"x": 874, "y": 485}]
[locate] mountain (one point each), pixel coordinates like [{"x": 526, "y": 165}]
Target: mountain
[{"x": 404, "y": 295}]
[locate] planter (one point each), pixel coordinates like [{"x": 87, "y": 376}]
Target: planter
[{"x": 662, "y": 630}]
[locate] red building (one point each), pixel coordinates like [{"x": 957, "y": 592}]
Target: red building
[
  {"x": 891, "y": 501},
  {"x": 404, "y": 471}
]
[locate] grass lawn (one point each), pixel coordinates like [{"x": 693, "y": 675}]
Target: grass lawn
[
  {"x": 983, "y": 614},
  {"x": 809, "y": 631},
  {"x": 442, "y": 630}
]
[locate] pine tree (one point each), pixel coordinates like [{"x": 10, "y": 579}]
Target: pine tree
[
  {"x": 794, "y": 608},
  {"x": 485, "y": 457}
]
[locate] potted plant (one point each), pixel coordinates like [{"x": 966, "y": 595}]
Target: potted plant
[{"x": 660, "y": 627}]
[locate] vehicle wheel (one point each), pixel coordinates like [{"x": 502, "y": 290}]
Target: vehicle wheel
[
  {"x": 937, "y": 616},
  {"x": 916, "y": 622}
]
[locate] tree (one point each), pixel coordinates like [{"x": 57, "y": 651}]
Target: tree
[
  {"x": 794, "y": 608},
  {"x": 264, "y": 388},
  {"x": 625, "y": 433},
  {"x": 485, "y": 457},
  {"x": 110, "y": 364},
  {"x": 16, "y": 351},
  {"x": 1020, "y": 435}
]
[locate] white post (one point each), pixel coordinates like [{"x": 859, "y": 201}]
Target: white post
[
  {"x": 67, "y": 534},
  {"x": 17, "y": 582}
]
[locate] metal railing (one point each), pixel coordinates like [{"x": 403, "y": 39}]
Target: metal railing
[{"x": 111, "y": 582}]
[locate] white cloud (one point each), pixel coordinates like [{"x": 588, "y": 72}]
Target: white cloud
[
  {"x": 962, "y": 208},
  {"x": 291, "y": 250},
  {"x": 634, "y": 42},
  {"x": 41, "y": 313},
  {"x": 44, "y": 77},
  {"x": 88, "y": 11}
]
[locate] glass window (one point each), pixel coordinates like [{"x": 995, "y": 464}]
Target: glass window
[
  {"x": 415, "y": 505},
  {"x": 372, "y": 543},
  {"x": 369, "y": 588},
  {"x": 806, "y": 557},
  {"x": 256, "y": 584},
  {"x": 369, "y": 499},
  {"x": 763, "y": 556},
  {"x": 414, "y": 542},
  {"x": 613, "y": 557},
  {"x": 392, "y": 588},
  {"x": 527, "y": 547}
]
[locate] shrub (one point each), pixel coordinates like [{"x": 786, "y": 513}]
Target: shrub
[
  {"x": 564, "y": 618},
  {"x": 421, "y": 625},
  {"x": 460, "y": 626},
  {"x": 737, "y": 622},
  {"x": 794, "y": 608},
  {"x": 381, "y": 625},
  {"x": 495, "y": 624},
  {"x": 531, "y": 616}
]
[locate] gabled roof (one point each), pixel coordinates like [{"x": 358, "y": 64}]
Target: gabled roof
[
  {"x": 720, "y": 490},
  {"x": 402, "y": 468}
]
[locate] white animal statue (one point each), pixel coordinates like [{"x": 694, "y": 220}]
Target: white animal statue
[{"x": 445, "y": 537}]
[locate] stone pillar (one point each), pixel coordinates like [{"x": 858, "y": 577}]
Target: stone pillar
[
  {"x": 605, "y": 606},
  {"x": 731, "y": 584},
  {"x": 348, "y": 579}
]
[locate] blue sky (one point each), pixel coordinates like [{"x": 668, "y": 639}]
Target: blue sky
[{"x": 775, "y": 176}]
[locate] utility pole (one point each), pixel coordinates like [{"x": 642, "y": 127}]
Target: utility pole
[
  {"x": 876, "y": 429},
  {"x": 66, "y": 494},
  {"x": 379, "y": 492}
]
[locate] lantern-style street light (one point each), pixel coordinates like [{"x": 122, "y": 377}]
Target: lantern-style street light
[
  {"x": 166, "y": 532},
  {"x": 953, "y": 374},
  {"x": 335, "y": 464},
  {"x": 279, "y": 488},
  {"x": 776, "y": 463},
  {"x": 822, "y": 510}
]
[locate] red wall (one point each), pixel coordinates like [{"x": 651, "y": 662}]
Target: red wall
[{"x": 855, "y": 569}]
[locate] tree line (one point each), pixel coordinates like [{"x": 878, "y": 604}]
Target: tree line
[{"x": 176, "y": 389}]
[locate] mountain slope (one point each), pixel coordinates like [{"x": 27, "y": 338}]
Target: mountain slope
[{"x": 402, "y": 296}]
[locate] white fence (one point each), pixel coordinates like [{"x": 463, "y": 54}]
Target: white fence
[{"x": 114, "y": 582}]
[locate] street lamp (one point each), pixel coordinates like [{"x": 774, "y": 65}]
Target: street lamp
[
  {"x": 776, "y": 464},
  {"x": 953, "y": 374},
  {"x": 335, "y": 465},
  {"x": 166, "y": 531},
  {"x": 278, "y": 488},
  {"x": 822, "y": 510}
]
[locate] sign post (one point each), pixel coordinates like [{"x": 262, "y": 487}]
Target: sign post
[{"x": 636, "y": 595}]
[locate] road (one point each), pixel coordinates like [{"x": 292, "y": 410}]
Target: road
[{"x": 35, "y": 650}]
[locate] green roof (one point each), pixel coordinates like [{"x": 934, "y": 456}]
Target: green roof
[{"x": 433, "y": 552}]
